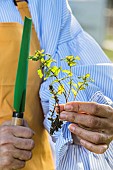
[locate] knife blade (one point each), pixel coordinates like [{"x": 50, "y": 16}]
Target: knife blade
[{"x": 21, "y": 75}]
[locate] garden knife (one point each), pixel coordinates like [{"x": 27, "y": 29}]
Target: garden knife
[{"x": 21, "y": 76}]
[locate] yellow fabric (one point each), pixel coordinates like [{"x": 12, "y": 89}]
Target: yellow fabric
[{"x": 10, "y": 39}]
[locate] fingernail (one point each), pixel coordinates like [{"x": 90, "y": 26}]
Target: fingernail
[
  {"x": 57, "y": 109},
  {"x": 105, "y": 146},
  {"x": 62, "y": 116},
  {"x": 71, "y": 128},
  {"x": 68, "y": 107}
]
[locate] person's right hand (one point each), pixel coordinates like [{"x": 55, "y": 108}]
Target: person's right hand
[{"x": 16, "y": 146}]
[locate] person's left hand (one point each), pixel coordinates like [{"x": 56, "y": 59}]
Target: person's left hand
[{"x": 91, "y": 122}]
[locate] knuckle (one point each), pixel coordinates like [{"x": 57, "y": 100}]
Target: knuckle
[
  {"x": 6, "y": 151},
  {"x": 5, "y": 129},
  {"x": 91, "y": 122},
  {"x": 97, "y": 139},
  {"x": 98, "y": 123},
  {"x": 102, "y": 150},
  {"x": 88, "y": 146},
  {"x": 8, "y": 161},
  {"x": 26, "y": 156},
  {"x": 80, "y": 133},
  {"x": 31, "y": 144},
  {"x": 22, "y": 165},
  {"x": 95, "y": 107},
  {"x": 109, "y": 110},
  {"x": 72, "y": 118},
  {"x": 29, "y": 155},
  {"x": 3, "y": 140},
  {"x": 30, "y": 133},
  {"x": 108, "y": 139}
]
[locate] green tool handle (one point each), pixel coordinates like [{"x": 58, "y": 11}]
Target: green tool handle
[{"x": 17, "y": 119}]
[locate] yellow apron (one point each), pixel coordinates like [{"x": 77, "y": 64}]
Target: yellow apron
[{"x": 10, "y": 38}]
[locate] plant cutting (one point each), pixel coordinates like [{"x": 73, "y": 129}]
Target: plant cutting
[{"x": 51, "y": 70}]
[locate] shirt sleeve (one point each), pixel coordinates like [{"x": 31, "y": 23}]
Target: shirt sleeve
[{"x": 47, "y": 16}]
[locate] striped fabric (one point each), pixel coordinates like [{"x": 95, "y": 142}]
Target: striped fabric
[{"x": 60, "y": 35}]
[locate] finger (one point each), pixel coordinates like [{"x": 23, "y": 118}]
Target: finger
[
  {"x": 23, "y": 132},
  {"x": 20, "y": 143},
  {"x": 91, "y": 108},
  {"x": 22, "y": 154},
  {"x": 8, "y": 123},
  {"x": 24, "y": 144},
  {"x": 10, "y": 151},
  {"x": 59, "y": 108},
  {"x": 76, "y": 139},
  {"x": 18, "y": 131},
  {"x": 93, "y": 137},
  {"x": 89, "y": 121},
  {"x": 17, "y": 164},
  {"x": 10, "y": 163},
  {"x": 98, "y": 149}
]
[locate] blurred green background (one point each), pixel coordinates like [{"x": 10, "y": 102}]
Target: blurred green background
[
  {"x": 96, "y": 17},
  {"x": 109, "y": 53}
]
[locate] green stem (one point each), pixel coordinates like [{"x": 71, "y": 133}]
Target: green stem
[
  {"x": 70, "y": 84},
  {"x": 64, "y": 93},
  {"x": 79, "y": 89}
]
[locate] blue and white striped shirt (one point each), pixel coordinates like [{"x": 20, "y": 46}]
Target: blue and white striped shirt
[{"x": 60, "y": 35}]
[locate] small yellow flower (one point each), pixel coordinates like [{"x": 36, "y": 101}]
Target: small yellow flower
[{"x": 60, "y": 89}]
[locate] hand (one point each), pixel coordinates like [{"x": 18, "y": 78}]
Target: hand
[
  {"x": 15, "y": 146},
  {"x": 91, "y": 122}
]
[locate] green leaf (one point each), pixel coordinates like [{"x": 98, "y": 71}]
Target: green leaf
[
  {"x": 39, "y": 71},
  {"x": 70, "y": 82},
  {"x": 75, "y": 85},
  {"x": 42, "y": 60},
  {"x": 70, "y": 57},
  {"x": 72, "y": 64},
  {"x": 86, "y": 84},
  {"x": 80, "y": 83},
  {"x": 68, "y": 72},
  {"x": 56, "y": 70},
  {"x": 42, "y": 51},
  {"x": 77, "y": 58},
  {"x": 87, "y": 75},
  {"x": 55, "y": 81},
  {"x": 82, "y": 88},
  {"x": 74, "y": 91},
  {"x": 47, "y": 74},
  {"x": 49, "y": 61},
  {"x": 39, "y": 54},
  {"x": 30, "y": 57},
  {"x": 92, "y": 80}
]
